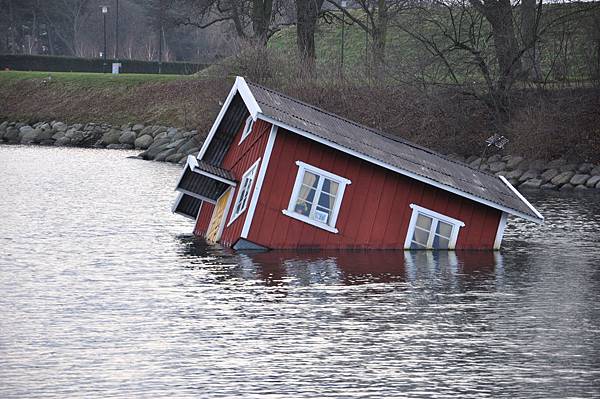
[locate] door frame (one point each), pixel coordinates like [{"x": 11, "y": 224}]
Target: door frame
[{"x": 230, "y": 192}]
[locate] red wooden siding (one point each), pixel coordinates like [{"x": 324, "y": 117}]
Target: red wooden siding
[
  {"x": 203, "y": 219},
  {"x": 238, "y": 159},
  {"x": 375, "y": 209}
]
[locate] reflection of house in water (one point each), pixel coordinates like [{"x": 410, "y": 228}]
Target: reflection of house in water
[
  {"x": 285, "y": 268},
  {"x": 278, "y": 173}
]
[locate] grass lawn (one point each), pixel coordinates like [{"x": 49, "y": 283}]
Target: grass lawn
[{"x": 88, "y": 79}]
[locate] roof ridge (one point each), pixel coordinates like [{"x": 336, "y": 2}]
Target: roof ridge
[{"x": 374, "y": 130}]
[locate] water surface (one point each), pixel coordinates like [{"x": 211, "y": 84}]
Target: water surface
[{"x": 104, "y": 293}]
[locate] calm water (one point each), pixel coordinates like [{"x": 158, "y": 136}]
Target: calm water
[{"x": 104, "y": 293}]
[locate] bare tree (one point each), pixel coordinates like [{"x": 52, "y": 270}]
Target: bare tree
[{"x": 307, "y": 13}]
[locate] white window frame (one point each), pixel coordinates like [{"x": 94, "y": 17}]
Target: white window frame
[
  {"x": 247, "y": 128},
  {"x": 249, "y": 174},
  {"x": 342, "y": 183},
  {"x": 437, "y": 217}
]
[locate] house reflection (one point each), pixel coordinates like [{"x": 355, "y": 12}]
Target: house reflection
[{"x": 297, "y": 268}]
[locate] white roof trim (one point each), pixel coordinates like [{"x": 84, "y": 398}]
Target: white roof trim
[
  {"x": 240, "y": 86},
  {"x": 518, "y": 194},
  {"x": 405, "y": 172}
]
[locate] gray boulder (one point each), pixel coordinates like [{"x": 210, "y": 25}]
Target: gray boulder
[
  {"x": 538, "y": 165},
  {"x": 548, "y": 186},
  {"x": 497, "y": 166},
  {"x": 147, "y": 130},
  {"x": 160, "y": 135},
  {"x": 566, "y": 187},
  {"x": 592, "y": 181},
  {"x": 119, "y": 146},
  {"x": 513, "y": 162},
  {"x": 177, "y": 136},
  {"x": 514, "y": 174},
  {"x": 581, "y": 187},
  {"x": 29, "y": 135},
  {"x": 193, "y": 151},
  {"x": 76, "y": 137},
  {"x": 549, "y": 175},
  {"x": 171, "y": 131},
  {"x": 585, "y": 167},
  {"x": 138, "y": 127},
  {"x": 127, "y": 137},
  {"x": 579, "y": 179},
  {"x": 562, "y": 178},
  {"x": 11, "y": 135},
  {"x": 46, "y": 133},
  {"x": 598, "y": 185},
  {"x": 143, "y": 142},
  {"x": 156, "y": 148},
  {"x": 174, "y": 158},
  {"x": 111, "y": 137},
  {"x": 494, "y": 158},
  {"x": 58, "y": 135},
  {"x": 531, "y": 183},
  {"x": 59, "y": 127},
  {"x": 192, "y": 133},
  {"x": 530, "y": 174},
  {"x": 63, "y": 141},
  {"x": 161, "y": 156},
  {"x": 177, "y": 143},
  {"x": 595, "y": 171},
  {"x": 571, "y": 167},
  {"x": 158, "y": 130}
]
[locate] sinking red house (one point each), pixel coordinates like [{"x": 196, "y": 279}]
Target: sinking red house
[{"x": 275, "y": 172}]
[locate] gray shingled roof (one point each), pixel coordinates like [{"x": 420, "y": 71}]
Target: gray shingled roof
[{"x": 388, "y": 149}]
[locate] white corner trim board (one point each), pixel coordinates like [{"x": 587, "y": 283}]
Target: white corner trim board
[
  {"x": 259, "y": 182},
  {"x": 500, "y": 231},
  {"x": 240, "y": 86},
  {"x": 304, "y": 219},
  {"x": 398, "y": 170},
  {"x": 518, "y": 194}
]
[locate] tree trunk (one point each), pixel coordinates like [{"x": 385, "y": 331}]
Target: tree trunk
[
  {"x": 307, "y": 12},
  {"x": 379, "y": 37},
  {"x": 262, "y": 11},
  {"x": 500, "y": 16},
  {"x": 529, "y": 25}
]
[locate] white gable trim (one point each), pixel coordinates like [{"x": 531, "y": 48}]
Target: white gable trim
[
  {"x": 404, "y": 172},
  {"x": 518, "y": 194},
  {"x": 240, "y": 86}
]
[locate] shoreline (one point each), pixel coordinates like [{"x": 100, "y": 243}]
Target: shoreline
[{"x": 172, "y": 144}]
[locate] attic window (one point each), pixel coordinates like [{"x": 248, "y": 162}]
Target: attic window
[
  {"x": 431, "y": 230},
  {"x": 247, "y": 128},
  {"x": 316, "y": 197}
]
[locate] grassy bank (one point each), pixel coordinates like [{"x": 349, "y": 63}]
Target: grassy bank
[{"x": 174, "y": 100}]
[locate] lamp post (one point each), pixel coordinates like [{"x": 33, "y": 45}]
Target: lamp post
[
  {"x": 117, "y": 31},
  {"x": 344, "y": 3},
  {"x": 104, "y": 12}
]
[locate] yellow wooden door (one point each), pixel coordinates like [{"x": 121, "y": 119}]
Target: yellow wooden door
[{"x": 214, "y": 228}]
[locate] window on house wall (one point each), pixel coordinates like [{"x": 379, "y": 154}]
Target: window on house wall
[
  {"x": 316, "y": 197},
  {"x": 241, "y": 202},
  {"x": 247, "y": 128},
  {"x": 431, "y": 230}
]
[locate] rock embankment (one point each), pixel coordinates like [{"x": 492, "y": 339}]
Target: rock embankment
[
  {"x": 160, "y": 143},
  {"x": 558, "y": 174},
  {"x": 170, "y": 144}
]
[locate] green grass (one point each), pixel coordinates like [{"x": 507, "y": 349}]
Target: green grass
[{"x": 88, "y": 79}]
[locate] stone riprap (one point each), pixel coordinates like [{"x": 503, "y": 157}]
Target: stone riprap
[
  {"x": 160, "y": 143},
  {"x": 557, "y": 174},
  {"x": 170, "y": 144}
]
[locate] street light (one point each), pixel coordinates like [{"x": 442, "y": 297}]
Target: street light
[
  {"x": 344, "y": 3},
  {"x": 117, "y": 31},
  {"x": 104, "y": 12}
]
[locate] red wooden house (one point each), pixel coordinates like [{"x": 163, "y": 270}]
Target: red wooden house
[{"x": 275, "y": 172}]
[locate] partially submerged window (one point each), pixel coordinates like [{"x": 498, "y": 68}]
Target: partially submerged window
[
  {"x": 247, "y": 128},
  {"x": 316, "y": 197},
  {"x": 431, "y": 230},
  {"x": 241, "y": 202}
]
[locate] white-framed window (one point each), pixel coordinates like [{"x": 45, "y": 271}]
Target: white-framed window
[
  {"x": 431, "y": 230},
  {"x": 317, "y": 197},
  {"x": 241, "y": 201},
  {"x": 247, "y": 128}
]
